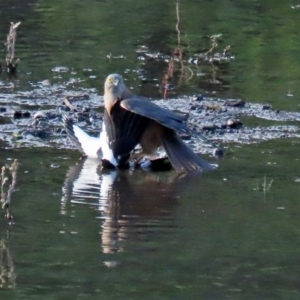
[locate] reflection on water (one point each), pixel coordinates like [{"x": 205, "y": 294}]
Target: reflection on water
[
  {"x": 130, "y": 203},
  {"x": 7, "y": 269}
]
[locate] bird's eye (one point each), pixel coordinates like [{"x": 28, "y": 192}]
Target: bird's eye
[{"x": 110, "y": 79}]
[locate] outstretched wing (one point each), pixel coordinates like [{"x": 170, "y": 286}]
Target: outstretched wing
[
  {"x": 144, "y": 107},
  {"x": 124, "y": 130},
  {"x": 88, "y": 145}
]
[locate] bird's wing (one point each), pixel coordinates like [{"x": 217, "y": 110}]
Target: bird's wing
[
  {"x": 144, "y": 107},
  {"x": 87, "y": 144},
  {"x": 124, "y": 130}
]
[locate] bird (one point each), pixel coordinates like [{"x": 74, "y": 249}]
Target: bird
[{"x": 130, "y": 120}]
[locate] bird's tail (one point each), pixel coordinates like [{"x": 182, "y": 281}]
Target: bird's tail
[{"x": 183, "y": 159}]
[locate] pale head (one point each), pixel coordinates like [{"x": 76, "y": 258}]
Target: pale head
[{"x": 114, "y": 85}]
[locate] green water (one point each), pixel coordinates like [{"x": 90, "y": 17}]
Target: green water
[{"x": 230, "y": 234}]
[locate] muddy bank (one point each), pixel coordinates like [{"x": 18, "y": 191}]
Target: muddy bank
[{"x": 33, "y": 118}]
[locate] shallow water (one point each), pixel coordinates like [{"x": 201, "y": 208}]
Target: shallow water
[{"x": 81, "y": 232}]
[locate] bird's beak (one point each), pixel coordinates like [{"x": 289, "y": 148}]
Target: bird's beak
[{"x": 116, "y": 82}]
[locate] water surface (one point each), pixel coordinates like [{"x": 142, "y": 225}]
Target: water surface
[{"x": 82, "y": 232}]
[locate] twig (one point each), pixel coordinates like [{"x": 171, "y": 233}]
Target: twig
[
  {"x": 68, "y": 103},
  {"x": 214, "y": 44}
]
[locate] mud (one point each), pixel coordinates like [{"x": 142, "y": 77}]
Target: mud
[{"x": 33, "y": 118}]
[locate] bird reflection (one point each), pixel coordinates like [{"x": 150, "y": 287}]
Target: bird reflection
[
  {"x": 132, "y": 204},
  {"x": 7, "y": 269}
]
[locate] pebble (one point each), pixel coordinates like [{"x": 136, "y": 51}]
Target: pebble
[
  {"x": 39, "y": 115},
  {"x": 218, "y": 152},
  {"x": 210, "y": 127},
  {"x": 198, "y": 97},
  {"x": 46, "y": 82},
  {"x": 169, "y": 86},
  {"x": 26, "y": 114},
  {"x": 266, "y": 107},
  {"x": 234, "y": 123},
  {"x": 19, "y": 114}
]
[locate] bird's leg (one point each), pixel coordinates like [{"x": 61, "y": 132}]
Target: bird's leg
[{"x": 137, "y": 157}]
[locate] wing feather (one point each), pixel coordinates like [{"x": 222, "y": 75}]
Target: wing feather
[
  {"x": 124, "y": 129},
  {"x": 144, "y": 107}
]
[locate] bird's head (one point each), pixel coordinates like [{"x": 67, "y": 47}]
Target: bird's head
[{"x": 114, "y": 85}]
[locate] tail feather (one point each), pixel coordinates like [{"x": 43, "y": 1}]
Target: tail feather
[{"x": 183, "y": 159}]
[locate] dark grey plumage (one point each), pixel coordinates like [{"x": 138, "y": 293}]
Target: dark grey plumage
[{"x": 132, "y": 120}]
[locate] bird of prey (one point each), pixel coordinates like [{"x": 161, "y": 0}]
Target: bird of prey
[{"x": 131, "y": 120}]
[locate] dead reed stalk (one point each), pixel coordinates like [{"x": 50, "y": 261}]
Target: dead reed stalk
[{"x": 11, "y": 62}]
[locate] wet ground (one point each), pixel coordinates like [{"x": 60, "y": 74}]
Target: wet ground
[{"x": 34, "y": 118}]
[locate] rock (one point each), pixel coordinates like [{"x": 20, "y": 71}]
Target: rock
[
  {"x": 210, "y": 127},
  {"x": 2, "y": 109},
  {"x": 234, "y": 123},
  {"x": 218, "y": 152},
  {"x": 234, "y": 103},
  {"x": 40, "y": 133},
  {"x": 54, "y": 166},
  {"x": 19, "y": 114},
  {"x": 17, "y": 135},
  {"x": 51, "y": 115},
  {"x": 266, "y": 107},
  {"x": 193, "y": 107},
  {"x": 26, "y": 114},
  {"x": 82, "y": 116},
  {"x": 39, "y": 115},
  {"x": 85, "y": 109},
  {"x": 46, "y": 82},
  {"x": 198, "y": 97}
]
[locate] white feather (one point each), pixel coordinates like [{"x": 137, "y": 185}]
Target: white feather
[
  {"x": 106, "y": 151},
  {"x": 89, "y": 144}
]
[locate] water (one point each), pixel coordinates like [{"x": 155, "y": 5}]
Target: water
[{"x": 84, "y": 233}]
